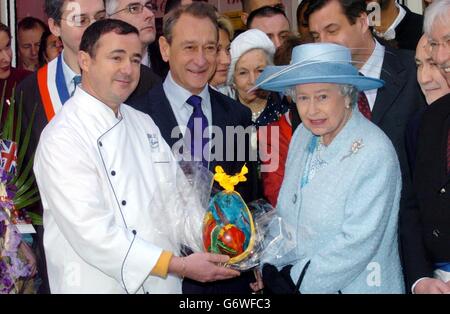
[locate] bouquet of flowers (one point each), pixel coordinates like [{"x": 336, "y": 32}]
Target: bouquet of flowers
[{"x": 17, "y": 191}]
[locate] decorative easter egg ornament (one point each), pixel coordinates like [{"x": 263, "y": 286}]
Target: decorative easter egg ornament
[{"x": 228, "y": 226}]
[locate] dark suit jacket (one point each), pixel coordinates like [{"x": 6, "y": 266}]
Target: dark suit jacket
[
  {"x": 29, "y": 90},
  {"x": 396, "y": 102},
  {"x": 425, "y": 226},
  {"x": 409, "y": 31},
  {"x": 412, "y": 134},
  {"x": 159, "y": 66},
  {"x": 225, "y": 112}
]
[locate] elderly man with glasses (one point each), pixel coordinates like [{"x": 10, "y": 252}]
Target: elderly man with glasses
[{"x": 140, "y": 14}]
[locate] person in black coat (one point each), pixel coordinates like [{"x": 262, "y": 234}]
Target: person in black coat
[
  {"x": 425, "y": 224},
  {"x": 433, "y": 86}
]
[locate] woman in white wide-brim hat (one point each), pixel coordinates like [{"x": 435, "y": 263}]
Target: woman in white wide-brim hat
[
  {"x": 341, "y": 190},
  {"x": 251, "y": 52}
]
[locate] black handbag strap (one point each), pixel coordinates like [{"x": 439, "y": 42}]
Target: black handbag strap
[{"x": 302, "y": 274}]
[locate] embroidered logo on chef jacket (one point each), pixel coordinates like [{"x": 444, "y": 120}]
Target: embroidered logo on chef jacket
[{"x": 154, "y": 142}]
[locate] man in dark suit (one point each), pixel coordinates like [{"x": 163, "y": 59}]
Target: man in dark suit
[
  {"x": 189, "y": 44},
  {"x": 50, "y": 87},
  {"x": 425, "y": 225},
  {"x": 344, "y": 22}
]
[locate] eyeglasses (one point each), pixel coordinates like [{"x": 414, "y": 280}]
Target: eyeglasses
[
  {"x": 434, "y": 44},
  {"x": 137, "y": 8},
  {"x": 84, "y": 20}
]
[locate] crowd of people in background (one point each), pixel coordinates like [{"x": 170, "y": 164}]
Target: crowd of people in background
[{"x": 350, "y": 126}]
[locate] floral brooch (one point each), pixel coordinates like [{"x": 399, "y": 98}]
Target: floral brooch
[{"x": 355, "y": 148}]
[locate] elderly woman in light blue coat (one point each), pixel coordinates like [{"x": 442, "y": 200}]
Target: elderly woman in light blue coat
[{"x": 342, "y": 186}]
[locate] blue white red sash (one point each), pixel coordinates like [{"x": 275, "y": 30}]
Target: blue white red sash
[{"x": 52, "y": 87}]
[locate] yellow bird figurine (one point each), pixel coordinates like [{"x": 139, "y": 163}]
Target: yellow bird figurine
[{"x": 229, "y": 182}]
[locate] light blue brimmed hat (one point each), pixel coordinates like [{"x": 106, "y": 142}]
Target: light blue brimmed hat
[{"x": 316, "y": 63}]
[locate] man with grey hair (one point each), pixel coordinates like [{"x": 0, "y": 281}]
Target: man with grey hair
[
  {"x": 425, "y": 225},
  {"x": 140, "y": 14},
  {"x": 437, "y": 27}
]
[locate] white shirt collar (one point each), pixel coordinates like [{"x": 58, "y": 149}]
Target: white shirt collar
[
  {"x": 373, "y": 65},
  {"x": 372, "y": 68},
  {"x": 178, "y": 95},
  {"x": 69, "y": 74},
  {"x": 146, "y": 60},
  {"x": 389, "y": 34}
]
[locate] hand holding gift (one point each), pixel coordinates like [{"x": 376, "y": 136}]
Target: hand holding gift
[{"x": 203, "y": 267}]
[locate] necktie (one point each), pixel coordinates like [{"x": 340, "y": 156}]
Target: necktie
[
  {"x": 196, "y": 125},
  {"x": 76, "y": 82},
  {"x": 363, "y": 106},
  {"x": 448, "y": 152}
]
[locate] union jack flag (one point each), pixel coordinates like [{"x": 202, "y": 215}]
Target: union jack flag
[{"x": 8, "y": 156}]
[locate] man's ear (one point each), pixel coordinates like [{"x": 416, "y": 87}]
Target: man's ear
[
  {"x": 54, "y": 27},
  {"x": 363, "y": 22},
  {"x": 164, "y": 48},
  {"x": 84, "y": 60},
  {"x": 244, "y": 17}
]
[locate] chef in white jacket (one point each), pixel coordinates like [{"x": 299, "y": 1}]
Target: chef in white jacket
[{"x": 108, "y": 183}]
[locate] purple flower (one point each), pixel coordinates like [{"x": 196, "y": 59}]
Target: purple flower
[
  {"x": 11, "y": 191},
  {"x": 3, "y": 176},
  {"x": 6, "y": 282},
  {"x": 13, "y": 242},
  {"x": 12, "y": 268}
]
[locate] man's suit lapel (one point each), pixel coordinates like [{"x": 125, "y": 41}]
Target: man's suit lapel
[
  {"x": 446, "y": 134},
  {"x": 219, "y": 113},
  {"x": 393, "y": 73},
  {"x": 220, "y": 110},
  {"x": 162, "y": 113}
]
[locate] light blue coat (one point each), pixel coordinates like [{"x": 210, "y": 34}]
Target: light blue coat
[{"x": 345, "y": 219}]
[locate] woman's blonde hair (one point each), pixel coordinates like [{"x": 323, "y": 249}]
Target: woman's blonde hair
[{"x": 225, "y": 25}]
